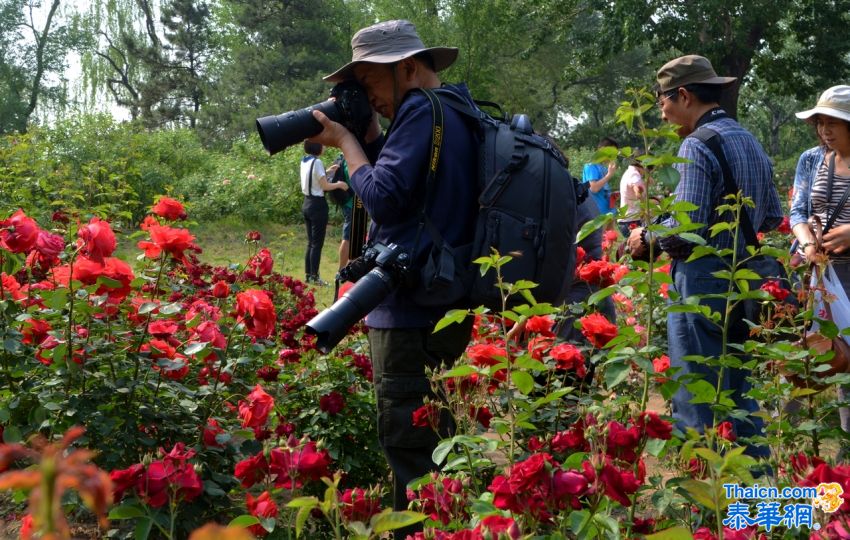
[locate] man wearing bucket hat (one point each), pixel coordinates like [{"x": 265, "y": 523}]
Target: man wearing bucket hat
[
  {"x": 819, "y": 193},
  {"x": 389, "y": 174},
  {"x": 688, "y": 93}
]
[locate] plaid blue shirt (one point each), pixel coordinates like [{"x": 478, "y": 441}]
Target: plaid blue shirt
[{"x": 701, "y": 183}]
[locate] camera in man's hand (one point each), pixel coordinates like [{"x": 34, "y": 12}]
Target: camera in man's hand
[
  {"x": 349, "y": 107},
  {"x": 376, "y": 274}
]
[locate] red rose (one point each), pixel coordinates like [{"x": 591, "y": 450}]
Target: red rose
[
  {"x": 486, "y": 354},
  {"x": 221, "y": 289},
  {"x": 124, "y": 479},
  {"x": 569, "y": 483},
  {"x": 288, "y": 356},
  {"x": 18, "y": 233},
  {"x": 572, "y": 439},
  {"x": 255, "y": 412},
  {"x": 775, "y": 289},
  {"x": 34, "y": 331},
  {"x": 785, "y": 226},
  {"x": 169, "y": 208},
  {"x": 292, "y": 466},
  {"x": 654, "y": 426},
  {"x": 27, "y": 528},
  {"x": 268, "y": 373},
  {"x": 46, "y": 252},
  {"x": 96, "y": 239},
  {"x": 534, "y": 471},
  {"x": 597, "y": 329},
  {"x": 209, "y": 332},
  {"x": 618, "y": 483},
  {"x": 540, "y": 325},
  {"x": 482, "y": 415},
  {"x": 210, "y": 432},
  {"x": 499, "y": 527},
  {"x": 427, "y": 415},
  {"x": 580, "y": 254},
  {"x": 253, "y": 236},
  {"x": 332, "y": 403},
  {"x": 256, "y": 310},
  {"x": 162, "y": 329},
  {"x": 262, "y": 263},
  {"x": 261, "y": 507},
  {"x": 726, "y": 431},
  {"x": 661, "y": 364},
  {"x": 252, "y": 470},
  {"x": 173, "y": 241},
  {"x": 359, "y": 504},
  {"x": 569, "y": 358},
  {"x": 622, "y": 442}
]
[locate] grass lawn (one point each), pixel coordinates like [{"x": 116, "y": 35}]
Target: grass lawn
[{"x": 224, "y": 243}]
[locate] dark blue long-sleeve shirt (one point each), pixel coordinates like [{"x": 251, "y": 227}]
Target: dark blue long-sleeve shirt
[{"x": 393, "y": 191}]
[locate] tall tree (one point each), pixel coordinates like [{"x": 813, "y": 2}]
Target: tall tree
[
  {"x": 34, "y": 43},
  {"x": 732, "y": 33}
]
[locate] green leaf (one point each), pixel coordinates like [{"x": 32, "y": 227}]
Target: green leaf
[
  {"x": 459, "y": 371},
  {"x": 126, "y": 511},
  {"x": 12, "y": 434},
  {"x": 389, "y": 520},
  {"x": 301, "y": 519},
  {"x": 146, "y": 308},
  {"x": 195, "y": 348},
  {"x": 700, "y": 492},
  {"x": 143, "y": 529},
  {"x": 244, "y": 521},
  {"x": 442, "y": 451},
  {"x": 673, "y": 533},
  {"x": 523, "y": 381},
  {"x": 303, "y": 502},
  {"x": 453, "y": 316},
  {"x": 615, "y": 373},
  {"x": 702, "y": 391}
]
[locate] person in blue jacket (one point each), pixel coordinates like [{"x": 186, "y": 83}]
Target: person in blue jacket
[
  {"x": 597, "y": 176},
  {"x": 389, "y": 175}
]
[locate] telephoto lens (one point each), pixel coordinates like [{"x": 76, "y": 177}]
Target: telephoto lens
[
  {"x": 332, "y": 324},
  {"x": 281, "y": 131}
]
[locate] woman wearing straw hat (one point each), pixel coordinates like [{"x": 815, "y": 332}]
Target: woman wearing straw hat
[{"x": 822, "y": 179}]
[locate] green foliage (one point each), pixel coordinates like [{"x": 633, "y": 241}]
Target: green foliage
[{"x": 247, "y": 184}]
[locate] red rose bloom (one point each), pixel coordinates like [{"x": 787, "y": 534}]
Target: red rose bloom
[
  {"x": 597, "y": 329},
  {"x": 34, "y": 331},
  {"x": 124, "y": 479},
  {"x": 210, "y": 432},
  {"x": 332, "y": 403},
  {"x": 261, "y": 507},
  {"x": 618, "y": 483},
  {"x": 46, "y": 252},
  {"x": 427, "y": 415},
  {"x": 256, "y": 310},
  {"x": 569, "y": 358},
  {"x": 252, "y": 470},
  {"x": 18, "y": 233},
  {"x": 486, "y": 354},
  {"x": 173, "y": 241},
  {"x": 540, "y": 325},
  {"x": 726, "y": 431},
  {"x": 221, "y": 289},
  {"x": 661, "y": 364},
  {"x": 96, "y": 239},
  {"x": 255, "y": 412},
  {"x": 293, "y": 466},
  {"x": 359, "y": 505},
  {"x": 775, "y": 289},
  {"x": 499, "y": 527},
  {"x": 654, "y": 427},
  {"x": 268, "y": 373},
  {"x": 169, "y": 208}
]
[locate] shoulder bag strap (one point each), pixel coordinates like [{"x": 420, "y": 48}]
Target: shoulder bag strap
[
  {"x": 711, "y": 139},
  {"x": 830, "y": 178}
]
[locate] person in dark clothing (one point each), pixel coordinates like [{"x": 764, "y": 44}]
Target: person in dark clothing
[
  {"x": 389, "y": 175},
  {"x": 314, "y": 184}
]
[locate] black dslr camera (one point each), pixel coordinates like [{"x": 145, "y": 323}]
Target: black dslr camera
[
  {"x": 350, "y": 108},
  {"x": 376, "y": 274}
]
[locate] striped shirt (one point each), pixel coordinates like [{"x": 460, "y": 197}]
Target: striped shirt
[
  {"x": 824, "y": 208},
  {"x": 701, "y": 183}
]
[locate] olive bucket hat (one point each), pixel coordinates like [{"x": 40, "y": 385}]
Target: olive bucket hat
[
  {"x": 690, "y": 69},
  {"x": 389, "y": 42},
  {"x": 835, "y": 102}
]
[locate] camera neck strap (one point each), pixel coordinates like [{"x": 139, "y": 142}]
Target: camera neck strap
[{"x": 433, "y": 166}]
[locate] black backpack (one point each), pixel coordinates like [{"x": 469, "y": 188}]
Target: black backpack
[
  {"x": 339, "y": 197},
  {"x": 527, "y": 209}
]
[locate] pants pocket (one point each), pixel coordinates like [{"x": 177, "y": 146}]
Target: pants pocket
[{"x": 400, "y": 395}]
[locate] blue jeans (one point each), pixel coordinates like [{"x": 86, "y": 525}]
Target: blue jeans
[{"x": 693, "y": 334}]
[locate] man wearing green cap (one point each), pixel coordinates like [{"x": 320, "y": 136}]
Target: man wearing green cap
[
  {"x": 389, "y": 175},
  {"x": 688, "y": 93}
]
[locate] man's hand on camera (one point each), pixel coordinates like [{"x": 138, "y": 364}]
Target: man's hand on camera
[{"x": 335, "y": 134}]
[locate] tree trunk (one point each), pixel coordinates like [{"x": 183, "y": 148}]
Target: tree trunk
[{"x": 41, "y": 45}]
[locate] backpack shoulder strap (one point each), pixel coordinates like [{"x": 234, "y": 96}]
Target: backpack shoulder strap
[{"x": 712, "y": 139}]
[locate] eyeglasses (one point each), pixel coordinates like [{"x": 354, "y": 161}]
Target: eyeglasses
[{"x": 661, "y": 97}]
